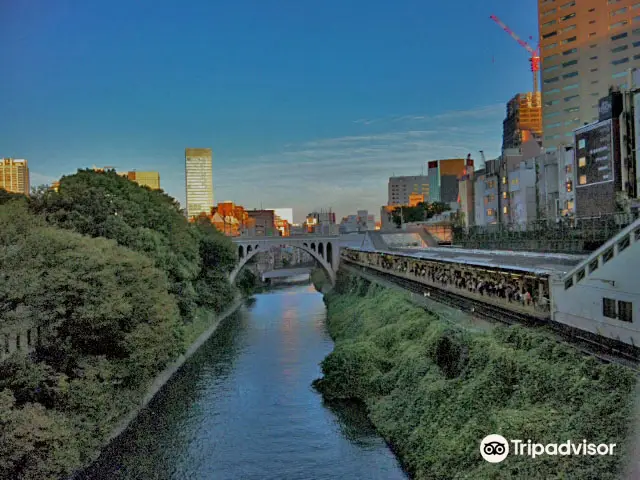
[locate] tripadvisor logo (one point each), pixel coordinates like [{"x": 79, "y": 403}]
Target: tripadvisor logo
[{"x": 495, "y": 448}]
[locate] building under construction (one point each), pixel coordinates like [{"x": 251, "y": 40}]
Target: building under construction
[{"x": 523, "y": 121}]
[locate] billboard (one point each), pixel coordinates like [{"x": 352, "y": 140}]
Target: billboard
[{"x": 594, "y": 154}]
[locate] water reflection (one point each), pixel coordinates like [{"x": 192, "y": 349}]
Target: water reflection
[{"x": 243, "y": 408}]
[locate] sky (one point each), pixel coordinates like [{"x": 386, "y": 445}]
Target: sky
[{"x": 306, "y": 104}]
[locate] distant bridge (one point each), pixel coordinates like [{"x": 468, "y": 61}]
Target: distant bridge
[
  {"x": 287, "y": 272},
  {"x": 325, "y": 249}
]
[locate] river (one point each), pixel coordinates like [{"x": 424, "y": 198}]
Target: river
[{"x": 243, "y": 408}]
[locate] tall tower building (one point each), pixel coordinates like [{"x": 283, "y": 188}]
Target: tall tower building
[
  {"x": 523, "y": 120},
  {"x": 199, "y": 181},
  {"x": 14, "y": 175},
  {"x": 586, "y": 46}
]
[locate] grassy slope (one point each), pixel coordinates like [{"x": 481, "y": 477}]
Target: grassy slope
[{"x": 434, "y": 390}]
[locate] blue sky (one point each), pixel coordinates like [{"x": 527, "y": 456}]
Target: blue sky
[{"x": 306, "y": 104}]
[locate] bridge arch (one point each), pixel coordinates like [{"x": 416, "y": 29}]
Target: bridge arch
[
  {"x": 252, "y": 250},
  {"x": 329, "y": 255},
  {"x": 321, "y": 249},
  {"x": 240, "y": 251}
]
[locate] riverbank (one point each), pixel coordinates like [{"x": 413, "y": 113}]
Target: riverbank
[
  {"x": 434, "y": 389},
  {"x": 163, "y": 377}
]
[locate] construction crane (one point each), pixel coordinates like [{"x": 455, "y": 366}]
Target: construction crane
[
  {"x": 535, "y": 54},
  {"x": 484, "y": 160}
]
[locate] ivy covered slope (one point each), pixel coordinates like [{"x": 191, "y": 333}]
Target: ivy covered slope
[
  {"x": 434, "y": 390},
  {"x": 115, "y": 297}
]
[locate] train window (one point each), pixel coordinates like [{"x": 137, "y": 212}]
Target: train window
[
  {"x": 625, "y": 311},
  {"x": 580, "y": 275},
  {"x": 593, "y": 266},
  {"x": 608, "y": 255},
  {"x": 624, "y": 243},
  {"x": 568, "y": 284},
  {"x": 609, "y": 308}
]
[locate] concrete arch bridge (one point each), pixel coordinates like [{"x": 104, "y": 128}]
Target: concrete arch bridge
[{"x": 324, "y": 249}]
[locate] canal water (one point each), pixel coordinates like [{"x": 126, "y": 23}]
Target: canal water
[{"x": 243, "y": 408}]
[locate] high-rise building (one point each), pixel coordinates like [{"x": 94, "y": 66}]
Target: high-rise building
[
  {"x": 144, "y": 179},
  {"x": 523, "y": 120},
  {"x": 14, "y": 175},
  {"x": 199, "y": 181},
  {"x": 586, "y": 46}
]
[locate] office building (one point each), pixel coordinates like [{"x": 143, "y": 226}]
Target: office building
[
  {"x": 361, "y": 222},
  {"x": 443, "y": 178},
  {"x": 523, "y": 121},
  {"x": 144, "y": 179},
  {"x": 14, "y": 175},
  {"x": 586, "y": 46},
  {"x": 402, "y": 188},
  {"x": 199, "y": 181}
]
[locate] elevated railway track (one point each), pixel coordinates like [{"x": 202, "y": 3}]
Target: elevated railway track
[{"x": 603, "y": 349}]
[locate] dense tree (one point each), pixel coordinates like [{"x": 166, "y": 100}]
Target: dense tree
[{"x": 104, "y": 204}]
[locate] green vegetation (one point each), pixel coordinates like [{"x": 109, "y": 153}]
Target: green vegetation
[
  {"x": 434, "y": 390},
  {"x": 248, "y": 282},
  {"x": 319, "y": 280},
  {"x": 120, "y": 283},
  {"x": 419, "y": 213}
]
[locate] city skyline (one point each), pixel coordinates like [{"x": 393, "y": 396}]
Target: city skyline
[{"x": 332, "y": 114}]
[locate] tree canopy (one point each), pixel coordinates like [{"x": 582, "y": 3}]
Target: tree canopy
[{"x": 112, "y": 274}]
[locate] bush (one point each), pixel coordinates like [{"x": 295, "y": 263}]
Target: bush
[{"x": 434, "y": 390}]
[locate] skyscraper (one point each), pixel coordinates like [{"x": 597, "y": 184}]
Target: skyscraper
[
  {"x": 586, "y": 46},
  {"x": 14, "y": 175},
  {"x": 199, "y": 181}
]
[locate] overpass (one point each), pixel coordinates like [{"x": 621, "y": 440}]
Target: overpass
[{"x": 325, "y": 249}]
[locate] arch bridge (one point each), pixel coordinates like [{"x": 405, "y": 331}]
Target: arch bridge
[{"x": 325, "y": 249}]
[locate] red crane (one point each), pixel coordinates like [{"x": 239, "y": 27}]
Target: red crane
[{"x": 535, "y": 54}]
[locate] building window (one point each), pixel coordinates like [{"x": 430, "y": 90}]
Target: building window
[
  {"x": 625, "y": 311},
  {"x": 550, "y": 46},
  {"x": 572, "y": 97},
  {"x": 620, "y": 11},
  {"x": 552, "y": 80},
  {"x": 567, "y": 29},
  {"x": 609, "y": 307},
  {"x": 570, "y": 4},
  {"x": 593, "y": 58},
  {"x": 551, "y": 57},
  {"x": 554, "y": 90},
  {"x": 568, "y": 284},
  {"x": 570, "y": 205},
  {"x": 619, "y": 49},
  {"x": 505, "y": 210},
  {"x": 515, "y": 181},
  {"x": 572, "y": 86},
  {"x": 619, "y": 36},
  {"x": 553, "y": 114},
  {"x": 549, "y": 35},
  {"x": 570, "y": 75},
  {"x": 569, "y": 63},
  {"x": 569, "y": 186},
  {"x": 620, "y": 61},
  {"x": 568, "y": 40},
  {"x": 490, "y": 212},
  {"x": 619, "y": 75},
  {"x": 572, "y": 109},
  {"x": 550, "y": 103},
  {"x": 567, "y": 17},
  {"x": 504, "y": 180},
  {"x": 583, "y": 179},
  {"x": 618, "y": 25},
  {"x": 549, "y": 12},
  {"x": 570, "y": 51},
  {"x": 594, "y": 69},
  {"x": 551, "y": 69}
]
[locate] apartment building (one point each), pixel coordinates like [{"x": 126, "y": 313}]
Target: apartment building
[
  {"x": 586, "y": 46},
  {"x": 14, "y": 175},
  {"x": 401, "y": 189}
]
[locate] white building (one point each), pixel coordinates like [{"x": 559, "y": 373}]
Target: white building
[
  {"x": 478, "y": 198},
  {"x": 522, "y": 194},
  {"x": 199, "y": 181},
  {"x": 361, "y": 222}
]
